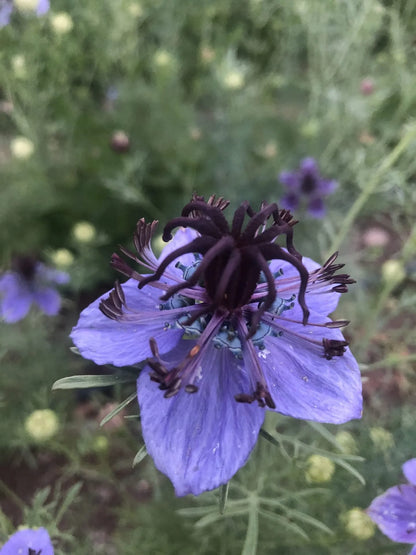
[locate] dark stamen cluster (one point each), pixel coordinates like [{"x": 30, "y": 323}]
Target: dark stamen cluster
[
  {"x": 33, "y": 552},
  {"x": 334, "y": 348},
  {"x": 261, "y": 395},
  {"x": 112, "y": 307},
  {"x": 232, "y": 257},
  {"x": 328, "y": 273}
]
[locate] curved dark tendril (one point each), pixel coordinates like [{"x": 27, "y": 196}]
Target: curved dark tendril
[
  {"x": 271, "y": 292},
  {"x": 202, "y": 225},
  {"x": 238, "y": 219},
  {"x": 257, "y": 220},
  {"x": 212, "y": 212}
]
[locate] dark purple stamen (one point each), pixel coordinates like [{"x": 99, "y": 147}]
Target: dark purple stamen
[
  {"x": 334, "y": 348},
  {"x": 25, "y": 266},
  {"x": 233, "y": 258}
]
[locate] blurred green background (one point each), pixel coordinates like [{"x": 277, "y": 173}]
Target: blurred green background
[{"x": 113, "y": 110}]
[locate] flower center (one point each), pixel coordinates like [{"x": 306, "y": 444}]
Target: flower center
[{"x": 308, "y": 184}]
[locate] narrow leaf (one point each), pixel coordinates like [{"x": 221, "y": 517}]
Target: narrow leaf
[
  {"x": 81, "y": 382},
  {"x": 223, "y": 497},
  {"x": 140, "y": 455},
  {"x": 252, "y": 535},
  {"x": 119, "y": 408}
]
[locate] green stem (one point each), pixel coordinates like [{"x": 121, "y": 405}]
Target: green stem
[{"x": 370, "y": 188}]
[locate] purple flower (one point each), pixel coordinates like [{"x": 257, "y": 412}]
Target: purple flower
[
  {"x": 394, "y": 511},
  {"x": 6, "y": 8},
  {"x": 29, "y": 282},
  {"x": 28, "y": 542},
  {"x": 231, "y": 324},
  {"x": 307, "y": 183}
]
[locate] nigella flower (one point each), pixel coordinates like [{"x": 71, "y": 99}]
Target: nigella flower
[
  {"x": 6, "y": 8},
  {"x": 28, "y": 542},
  {"x": 29, "y": 282},
  {"x": 394, "y": 511},
  {"x": 306, "y": 183},
  {"x": 231, "y": 324}
]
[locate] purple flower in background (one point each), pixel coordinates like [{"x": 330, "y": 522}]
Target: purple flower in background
[
  {"x": 394, "y": 511},
  {"x": 307, "y": 183},
  {"x": 28, "y": 542},
  {"x": 231, "y": 324},
  {"x": 6, "y": 8},
  {"x": 29, "y": 282}
]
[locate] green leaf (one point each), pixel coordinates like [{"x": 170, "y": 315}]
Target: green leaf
[
  {"x": 223, "y": 497},
  {"x": 69, "y": 499},
  {"x": 81, "y": 382},
  {"x": 119, "y": 408},
  {"x": 215, "y": 516},
  {"x": 140, "y": 455},
  {"x": 303, "y": 517},
  {"x": 284, "y": 523}
]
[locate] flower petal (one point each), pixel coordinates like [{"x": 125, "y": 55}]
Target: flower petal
[
  {"x": 303, "y": 383},
  {"x": 409, "y": 470},
  {"x": 316, "y": 208},
  {"x": 21, "y": 541},
  {"x": 394, "y": 512},
  {"x": 48, "y": 300},
  {"x": 200, "y": 440},
  {"x": 43, "y": 7},
  {"x": 125, "y": 342},
  {"x": 16, "y": 298}
]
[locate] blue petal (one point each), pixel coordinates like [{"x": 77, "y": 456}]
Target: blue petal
[
  {"x": 43, "y": 7},
  {"x": 394, "y": 512},
  {"x": 16, "y": 298},
  {"x": 303, "y": 383},
  {"x": 48, "y": 300},
  {"x": 23, "y": 540},
  {"x": 125, "y": 342},
  {"x": 200, "y": 440},
  {"x": 409, "y": 470}
]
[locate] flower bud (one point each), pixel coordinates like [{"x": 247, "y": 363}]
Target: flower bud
[
  {"x": 84, "y": 232},
  {"x": 382, "y": 439},
  {"x": 62, "y": 23},
  {"x": 358, "y": 524},
  {"x": 393, "y": 271},
  {"x": 26, "y": 5},
  {"x": 367, "y": 86},
  {"x": 120, "y": 141},
  {"x": 19, "y": 66},
  {"x": 22, "y": 148},
  {"x": 233, "y": 79},
  {"x": 41, "y": 425},
  {"x": 347, "y": 442},
  {"x": 320, "y": 469},
  {"x": 62, "y": 258}
]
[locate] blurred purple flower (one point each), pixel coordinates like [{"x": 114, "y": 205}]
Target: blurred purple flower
[
  {"x": 394, "y": 511},
  {"x": 306, "y": 183},
  {"x": 6, "y": 8},
  {"x": 28, "y": 542},
  {"x": 241, "y": 327},
  {"x": 29, "y": 282}
]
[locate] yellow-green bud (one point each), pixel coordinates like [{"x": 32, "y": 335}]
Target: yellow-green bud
[
  {"x": 62, "y": 258},
  {"x": 61, "y": 23},
  {"x": 135, "y": 9},
  {"x": 358, "y": 524},
  {"x": 347, "y": 442},
  {"x": 19, "y": 66},
  {"x": 163, "y": 59},
  {"x": 22, "y": 148},
  {"x": 26, "y": 5},
  {"x": 100, "y": 444},
  {"x": 84, "y": 232},
  {"x": 41, "y": 425},
  {"x": 233, "y": 79},
  {"x": 383, "y": 440},
  {"x": 319, "y": 469},
  {"x": 393, "y": 271}
]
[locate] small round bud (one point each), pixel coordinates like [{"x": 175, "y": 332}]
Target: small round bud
[
  {"x": 135, "y": 9},
  {"x": 163, "y": 59},
  {"x": 367, "y": 86},
  {"x": 382, "y": 439},
  {"x": 319, "y": 469},
  {"x": 347, "y": 442},
  {"x": 100, "y": 444},
  {"x": 358, "y": 524},
  {"x": 61, "y": 23},
  {"x": 19, "y": 66},
  {"x": 26, "y": 6},
  {"x": 233, "y": 80},
  {"x": 22, "y": 148},
  {"x": 393, "y": 271},
  {"x": 62, "y": 258},
  {"x": 120, "y": 141},
  {"x": 84, "y": 232},
  {"x": 41, "y": 425}
]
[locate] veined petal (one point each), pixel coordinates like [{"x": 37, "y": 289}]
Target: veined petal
[
  {"x": 126, "y": 341},
  {"x": 200, "y": 440},
  {"x": 394, "y": 512},
  {"x": 48, "y": 300},
  {"x": 409, "y": 470},
  {"x": 182, "y": 237},
  {"x": 303, "y": 383}
]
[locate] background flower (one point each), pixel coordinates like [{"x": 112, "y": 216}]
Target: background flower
[
  {"x": 306, "y": 183},
  {"x": 28, "y": 541},
  {"x": 394, "y": 511},
  {"x": 31, "y": 282}
]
